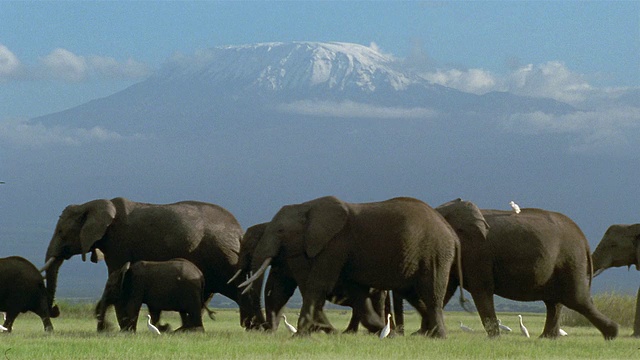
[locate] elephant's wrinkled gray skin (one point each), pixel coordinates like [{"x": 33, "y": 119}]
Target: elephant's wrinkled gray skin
[
  {"x": 21, "y": 290},
  {"x": 400, "y": 244},
  {"x": 174, "y": 285},
  {"x": 281, "y": 285},
  {"x": 620, "y": 246},
  {"x": 126, "y": 231},
  {"x": 533, "y": 255}
]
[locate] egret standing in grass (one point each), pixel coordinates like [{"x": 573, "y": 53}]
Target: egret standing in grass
[
  {"x": 289, "y": 327},
  {"x": 503, "y": 327},
  {"x": 3, "y": 329},
  {"x": 387, "y": 328},
  {"x": 562, "y": 332},
  {"x": 465, "y": 328},
  {"x": 515, "y": 207},
  {"x": 523, "y": 329},
  {"x": 151, "y": 327}
]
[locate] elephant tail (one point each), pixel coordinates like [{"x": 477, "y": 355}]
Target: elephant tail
[
  {"x": 589, "y": 267},
  {"x": 463, "y": 302}
]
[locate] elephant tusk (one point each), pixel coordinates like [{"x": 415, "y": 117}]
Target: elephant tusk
[
  {"x": 258, "y": 273},
  {"x": 246, "y": 290},
  {"x": 47, "y": 264},
  {"x": 597, "y": 272},
  {"x": 235, "y": 276}
]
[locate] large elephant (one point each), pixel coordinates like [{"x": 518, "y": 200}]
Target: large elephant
[
  {"x": 21, "y": 290},
  {"x": 527, "y": 256},
  {"x": 126, "y": 231},
  {"x": 281, "y": 285},
  {"x": 400, "y": 244},
  {"x": 620, "y": 246},
  {"x": 174, "y": 285}
]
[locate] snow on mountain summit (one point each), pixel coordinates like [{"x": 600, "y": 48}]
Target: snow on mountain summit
[{"x": 277, "y": 66}]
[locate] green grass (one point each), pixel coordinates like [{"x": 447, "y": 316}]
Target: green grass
[{"x": 75, "y": 338}]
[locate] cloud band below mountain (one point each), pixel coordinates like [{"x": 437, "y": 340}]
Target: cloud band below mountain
[{"x": 351, "y": 109}]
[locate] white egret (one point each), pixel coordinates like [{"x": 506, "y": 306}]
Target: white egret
[
  {"x": 515, "y": 207},
  {"x": 151, "y": 327},
  {"x": 562, "y": 332},
  {"x": 387, "y": 328},
  {"x": 523, "y": 329},
  {"x": 503, "y": 327},
  {"x": 465, "y": 328},
  {"x": 3, "y": 329},
  {"x": 290, "y": 327}
]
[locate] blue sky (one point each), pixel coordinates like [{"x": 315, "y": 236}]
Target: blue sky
[{"x": 56, "y": 55}]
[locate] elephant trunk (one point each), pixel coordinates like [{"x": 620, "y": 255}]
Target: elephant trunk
[
  {"x": 599, "y": 263},
  {"x": 52, "y": 279},
  {"x": 100, "y": 312}
]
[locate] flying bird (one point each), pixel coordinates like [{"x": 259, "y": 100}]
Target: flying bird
[
  {"x": 465, "y": 327},
  {"x": 515, "y": 207},
  {"x": 387, "y": 328},
  {"x": 503, "y": 327},
  {"x": 151, "y": 327},
  {"x": 562, "y": 332},
  {"x": 523, "y": 329},
  {"x": 290, "y": 327}
]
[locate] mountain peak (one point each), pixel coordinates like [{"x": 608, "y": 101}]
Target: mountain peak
[{"x": 295, "y": 65}]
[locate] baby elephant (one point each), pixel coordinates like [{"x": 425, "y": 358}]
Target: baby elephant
[
  {"x": 175, "y": 285},
  {"x": 21, "y": 290}
]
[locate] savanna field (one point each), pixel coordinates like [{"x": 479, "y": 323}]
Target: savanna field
[{"x": 75, "y": 338}]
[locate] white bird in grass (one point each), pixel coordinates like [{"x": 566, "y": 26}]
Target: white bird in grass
[
  {"x": 3, "y": 329},
  {"x": 289, "y": 327},
  {"x": 515, "y": 207},
  {"x": 465, "y": 328},
  {"x": 523, "y": 329},
  {"x": 503, "y": 327},
  {"x": 562, "y": 332},
  {"x": 387, "y": 328},
  {"x": 151, "y": 327}
]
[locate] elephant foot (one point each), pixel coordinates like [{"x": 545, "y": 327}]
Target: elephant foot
[
  {"x": 164, "y": 327},
  {"x": 548, "y": 336},
  {"x": 610, "y": 332}
]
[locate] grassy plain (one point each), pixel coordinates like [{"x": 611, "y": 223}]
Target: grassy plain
[{"x": 75, "y": 338}]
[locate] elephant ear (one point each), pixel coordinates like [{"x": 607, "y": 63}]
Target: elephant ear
[
  {"x": 326, "y": 217},
  {"x": 465, "y": 217},
  {"x": 98, "y": 217}
]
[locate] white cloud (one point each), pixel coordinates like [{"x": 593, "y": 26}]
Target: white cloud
[
  {"x": 476, "y": 81},
  {"x": 64, "y": 65},
  {"x": 604, "y": 130},
  {"x": 350, "y": 109},
  {"x": 9, "y": 63},
  {"x": 552, "y": 80},
  {"x": 24, "y": 133}
]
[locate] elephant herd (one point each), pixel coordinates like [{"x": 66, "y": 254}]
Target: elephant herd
[{"x": 176, "y": 256}]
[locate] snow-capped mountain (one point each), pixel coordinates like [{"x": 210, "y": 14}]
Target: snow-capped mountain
[
  {"x": 297, "y": 65},
  {"x": 223, "y": 85}
]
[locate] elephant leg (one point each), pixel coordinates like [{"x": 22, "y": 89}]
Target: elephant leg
[
  {"x": 608, "y": 328},
  {"x": 43, "y": 312},
  {"x": 551, "y": 324},
  {"x": 354, "y": 322},
  {"x": 367, "y": 307},
  {"x": 431, "y": 291},
  {"x": 398, "y": 311},
  {"x": 278, "y": 291},
  {"x": 11, "y": 317},
  {"x": 425, "y": 325},
  {"x": 487, "y": 312},
  {"x": 636, "y": 323}
]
